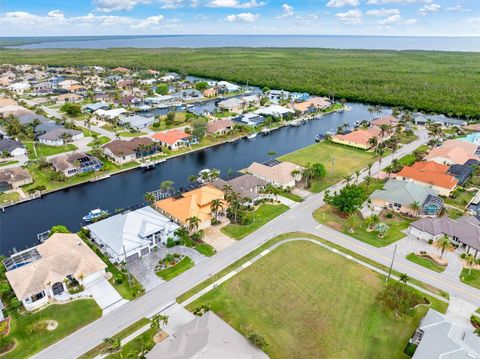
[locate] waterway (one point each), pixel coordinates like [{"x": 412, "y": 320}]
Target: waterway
[{"x": 20, "y": 224}]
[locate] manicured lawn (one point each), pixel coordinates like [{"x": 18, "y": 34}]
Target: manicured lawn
[
  {"x": 112, "y": 128},
  {"x": 328, "y": 216},
  {"x": 180, "y": 120},
  {"x": 472, "y": 279},
  {"x": 425, "y": 262},
  {"x": 311, "y": 303},
  {"x": 347, "y": 161},
  {"x": 70, "y": 317},
  {"x": 262, "y": 215},
  {"x": 291, "y": 196},
  {"x": 132, "y": 134},
  {"x": 185, "y": 264},
  {"x": 9, "y": 197},
  {"x": 99, "y": 141},
  {"x": 44, "y": 150},
  {"x": 205, "y": 249}
]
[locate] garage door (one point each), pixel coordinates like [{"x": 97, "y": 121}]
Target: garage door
[
  {"x": 132, "y": 258},
  {"x": 144, "y": 251}
]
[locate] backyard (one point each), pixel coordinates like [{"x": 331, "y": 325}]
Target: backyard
[
  {"x": 9, "y": 197},
  {"x": 338, "y": 161},
  {"x": 304, "y": 309},
  {"x": 262, "y": 215}
]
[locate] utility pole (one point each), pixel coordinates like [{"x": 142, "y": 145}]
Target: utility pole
[{"x": 391, "y": 264}]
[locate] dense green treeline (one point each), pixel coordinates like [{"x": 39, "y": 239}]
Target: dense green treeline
[{"x": 441, "y": 82}]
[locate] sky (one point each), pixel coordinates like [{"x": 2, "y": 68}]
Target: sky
[{"x": 165, "y": 17}]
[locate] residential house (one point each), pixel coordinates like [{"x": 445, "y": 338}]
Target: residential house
[
  {"x": 68, "y": 98},
  {"x": 123, "y": 151},
  {"x": 274, "y": 111},
  {"x": 46, "y": 127},
  {"x": 299, "y": 96},
  {"x": 439, "y": 336},
  {"x": 211, "y": 92},
  {"x": 125, "y": 83},
  {"x": 19, "y": 87},
  {"x": 249, "y": 119},
  {"x": 276, "y": 96},
  {"x": 136, "y": 122},
  {"x": 385, "y": 120},
  {"x": 128, "y": 100},
  {"x": 225, "y": 86},
  {"x": 454, "y": 152},
  {"x": 421, "y": 120},
  {"x": 359, "y": 138},
  {"x": 219, "y": 127},
  {"x": 13, "y": 178},
  {"x": 401, "y": 196},
  {"x": 11, "y": 148},
  {"x": 207, "y": 336},
  {"x": 75, "y": 163},
  {"x": 7, "y": 102},
  {"x": 55, "y": 137},
  {"x": 122, "y": 70},
  {"x": 92, "y": 107},
  {"x": 27, "y": 118},
  {"x": 251, "y": 101},
  {"x": 174, "y": 139},
  {"x": 43, "y": 87},
  {"x": 246, "y": 186},
  {"x": 128, "y": 236},
  {"x": 109, "y": 114},
  {"x": 195, "y": 203},
  {"x": 463, "y": 231},
  {"x": 429, "y": 174},
  {"x": 40, "y": 274},
  {"x": 66, "y": 84},
  {"x": 278, "y": 175},
  {"x": 312, "y": 105},
  {"x": 235, "y": 104}
]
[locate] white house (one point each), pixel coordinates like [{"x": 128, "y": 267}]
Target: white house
[
  {"x": 228, "y": 86},
  {"x": 274, "y": 111},
  {"x": 19, "y": 87},
  {"x": 137, "y": 122},
  {"x": 55, "y": 136}
]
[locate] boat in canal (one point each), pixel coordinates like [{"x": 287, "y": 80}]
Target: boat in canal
[
  {"x": 252, "y": 136},
  {"x": 95, "y": 214}
]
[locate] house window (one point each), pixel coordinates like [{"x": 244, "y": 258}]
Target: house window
[{"x": 37, "y": 296}]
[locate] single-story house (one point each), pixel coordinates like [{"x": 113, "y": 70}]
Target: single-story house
[
  {"x": 211, "y": 92},
  {"x": 249, "y": 119},
  {"x": 312, "y": 105},
  {"x": 278, "y": 175},
  {"x": 438, "y": 336},
  {"x": 110, "y": 114},
  {"x": 128, "y": 100},
  {"x": 66, "y": 84},
  {"x": 401, "y": 196},
  {"x": 55, "y": 137},
  {"x": 76, "y": 163},
  {"x": 44, "y": 86},
  {"x": 195, "y": 203},
  {"x": 219, "y": 127},
  {"x": 422, "y": 119},
  {"x": 247, "y": 185},
  {"x": 13, "y": 178},
  {"x": 68, "y": 98},
  {"x": 429, "y": 174},
  {"x": 236, "y": 105},
  {"x": 274, "y": 111},
  {"x": 461, "y": 172},
  {"x": 30, "y": 117},
  {"x": 463, "y": 231},
  {"x": 227, "y": 86},
  {"x": 129, "y": 236},
  {"x": 123, "y": 151},
  {"x": 277, "y": 95},
  {"x": 207, "y": 336},
  {"x": 174, "y": 139},
  {"x": 385, "y": 120},
  {"x": 299, "y": 96},
  {"x": 62, "y": 258},
  {"x": 453, "y": 152},
  {"x": 46, "y": 127},
  {"x": 92, "y": 107},
  {"x": 136, "y": 122},
  {"x": 251, "y": 100},
  {"x": 12, "y": 147},
  {"x": 19, "y": 87},
  {"x": 359, "y": 138}
]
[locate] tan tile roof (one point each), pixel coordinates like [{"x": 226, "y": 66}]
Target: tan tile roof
[
  {"x": 217, "y": 125},
  {"x": 62, "y": 254},
  {"x": 454, "y": 150},
  {"x": 361, "y": 136},
  {"x": 317, "y": 102},
  {"x": 281, "y": 173},
  {"x": 386, "y": 120}
]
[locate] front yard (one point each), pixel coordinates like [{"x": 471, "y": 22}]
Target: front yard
[
  {"x": 262, "y": 215},
  {"x": 425, "y": 262},
  {"x": 472, "y": 279},
  {"x": 171, "y": 272}
]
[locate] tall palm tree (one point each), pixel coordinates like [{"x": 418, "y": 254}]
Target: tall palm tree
[
  {"x": 65, "y": 137},
  {"x": 470, "y": 259},
  {"x": 380, "y": 151},
  {"x": 158, "y": 321},
  {"x": 403, "y": 277},
  {"x": 444, "y": 244},
  {"x": 216, "y": 206},
  {"x": 415, "y": 206},
  {"x": 149, "y": 197},
  {"x": 167, "y": 185},
  {"x": 114, "y": 344},
  {"x": 357, "y": 175},
  {"x": 373, "y": 142},
  {"x": 348, "y": 178},
  {"x": 193, "y": 223}
]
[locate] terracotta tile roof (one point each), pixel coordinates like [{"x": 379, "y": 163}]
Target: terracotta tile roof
[
  {"x": 170, "y": 137},
  {"x": 360, "y": 136},
  {"x": 454, "y": 150},
  {"x": 424, "y": 174},
  {"x": 430, "y": 166},
  {"x": 386, "y": 120},
  {"x": 317, "y": 102}
]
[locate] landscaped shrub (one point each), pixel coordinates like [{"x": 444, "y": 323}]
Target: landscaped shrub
[
  {"x": 257, "y": 339},
  {"x": 389, "y": 215},
  {"x": 118, "y": 280},
  {"x": 430, "y": 241},
  {"x": 36, "y": 326},
  {"x": 399, "y": 298},
  {"x": 170, "y": 242}
]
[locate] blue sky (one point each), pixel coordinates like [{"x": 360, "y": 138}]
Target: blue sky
[{"x": 339, "y": 17}]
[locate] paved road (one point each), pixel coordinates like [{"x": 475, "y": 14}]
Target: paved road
[{"x": 297, "y": 219}]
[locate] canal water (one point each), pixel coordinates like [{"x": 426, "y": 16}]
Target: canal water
[{"x": 20, "y": 224}]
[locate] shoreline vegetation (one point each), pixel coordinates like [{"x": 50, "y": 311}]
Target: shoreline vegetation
[{"x": 430, "y": 81}]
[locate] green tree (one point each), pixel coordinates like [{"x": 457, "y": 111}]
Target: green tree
[
  {"x": 149, "y": 197},
  {"x": 58, "y": 229},
  {"x": 444, "y": 244},
  {"x": 399, "y": 298},
  {"x": 199, "y": 127},
  {"x": 216, "y": 206},
  {"x": 170, "y": 119},
  {"x": 162, "y": 89},
  {"x": 158, "y": 321},
  {"x": 403, "y": 278},
  {"x": 470, "y": 260},
  {"x": 166, "y": 185},
  {"x": 201, "y": 85},
  {"x": 71, "y": 109},
  {"x": 257, "y": 339},
  {"x": 348, "y": 200},
  {"x": 193, "y": 223}
]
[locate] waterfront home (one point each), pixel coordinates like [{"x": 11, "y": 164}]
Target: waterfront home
[
  {"x": 207, "y": 336},
  {"x": 92, "y": 107},
  {"x": 251, "y": 101},
  {"x": 312, "y": 105},
  {"x": 123, "y": 151},
  {"x": 19, "y": 87},
  {"x": 128, "y": 100},
  {"x": 385, "y": 120},
  {"x": 11, "y": 147},
  {"x": 422, "y": 120},
  {"x": 75, "y": 163},
  {"x": 404, "y": 197},
  {"x": 136, "y": 122},
  {"x": 128, "y": 236},
  {"x": 454, "y": 152},
  {"x": 174, "y": 139},
  {"x": 276, "y": 96},
  {"x": 359, "y": 138},
  {"x": 438, "y": 336},
  {"x": 219, "y": 127},
  {"x": 68, "y": 98},
  {"x": 225, "y": 86},
  {"x": 43, "y": 273},
  {"x": 249, "y": 119},
  {"x": 281, "y": 174},
  {"x": 210, "y": 92},
  {"x": 7, "y": 102},
  {"x": 276, "y": 111},
  {"x": 13, "y": 178},
  {"x": 299, "y": 96},
  {"x": 56, "y": 137},
  {"x": 429, "y": 174},
  {"x": 195, "y": 203},
  {"x": 236, "y": 105},
  {"x": 246, "y": 186},
  {"x": 109, "y": 114},
  {"x": 463, "y": 231},
  {"x": 472, "y": 138}
]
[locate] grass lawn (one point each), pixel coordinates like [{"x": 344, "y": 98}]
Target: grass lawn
[
  {"x": 304, "y": 309},
  {"x": 142, "y": 342},
  {"x": 180, "y": 120},
  {"x": 7, "y": 163},
  {"x": 132, "y": 134},
  {"x": 291, "y": 196},
  {"x": 44, "y": 150},
  {"x": 112, "y": 128},
  {"x": 206, "y": 249},
  {"x": 185, "y": 264},
  {"x": 328, "y": 216},
  {"x": 472, "y": 279},
  {"x": 347, "y": 161},
  {"x": 99, "y": 141},
  {"x": 262, "y": 215},
  {"x": 9, "y": 197},
  {"x": 70, "y": 317},
  {"x": 425, "y": 262}
]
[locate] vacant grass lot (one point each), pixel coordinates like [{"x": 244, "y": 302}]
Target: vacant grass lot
[
  {"x": 262, "y": 215},
  {"x": 132, "y": 134},
  {"x": 70, "y": 317},
  {"x": 44, "y": 150},
  {"x": 472, "y": 279},
  {"x": 99, "y": 141},
  {"x": 9, "y": 197},
  {"x": 180, "y": 120},
  {"x": 347, "y": 161},
  {"x": 425, "y": 262},
  {"x": 311, "y": 303},
  {"x": 185, "y": 264}
]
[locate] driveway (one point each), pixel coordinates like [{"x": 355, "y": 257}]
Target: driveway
[{"x": 105, "y": 295}]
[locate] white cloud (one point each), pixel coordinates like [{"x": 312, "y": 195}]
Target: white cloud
[
  {"x": 351, "y": 17},
  {"x": 383, "y": 12},
  {"x": 474, "y": 22},
  {"x": 149, "y": 22},
  {"x": 426, "y": 9},
  {"x": 391, "y": 20},
  {"x": 236, "y": 4},
  {"x": 287, "y": 11},
  {"x": 458, "y": 8},
  {"x": 383, "y": 2},
  {"x": 171, "y": 4},
  {"x": 342, "y": 3},
  {"x": 243, "y": 17},
  {"x": 117, "y": 5}
]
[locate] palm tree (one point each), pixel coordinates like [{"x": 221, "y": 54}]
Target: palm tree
[
  {"x": 380, "y": 151},
  {"x": 158, "y": 321},
  {"x": 181, "y": 232},
  {"x": 198, "y": 235},
  {"x": 65, "y": 137},
  {"x": 357, "y": 175},
  {"x": 308, "y": 174},
  {"x": 444, "y": 244},
  {"x": 415, "y": 206},
  {"x": 385, "y": 129},
  {"x": 149, "y": 197},
  {"x": 373, "y": 219},
  {"x": 216, "y": 206},
  {"x": 470, "y": 259},
  {"x": 114, "y": 345},
  {"x": 373, "y": 142},
  {"x": 348, "y": 178},
  {"x": 166, "y": 186},
  {"x": 403, "y": 277},
  {"x": 193, "y": 223},
  {"x": 369, "y": 168}
]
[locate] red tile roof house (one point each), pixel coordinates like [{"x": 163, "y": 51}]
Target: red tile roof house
[
  {"x": 359, "y": 138},
  {"x": 386, "y": 120},
  {"x": 174, "y": 139},
  {"x": 219, "y": 127}
]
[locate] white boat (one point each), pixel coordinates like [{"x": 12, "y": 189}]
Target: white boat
[
  {"x": 95, "y": 214},
  {"x": 253, "y": 135}
]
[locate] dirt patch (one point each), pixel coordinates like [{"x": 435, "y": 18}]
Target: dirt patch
[
  {"x": 434, "y": 258},
  {"x": 160, "y": 337}
]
